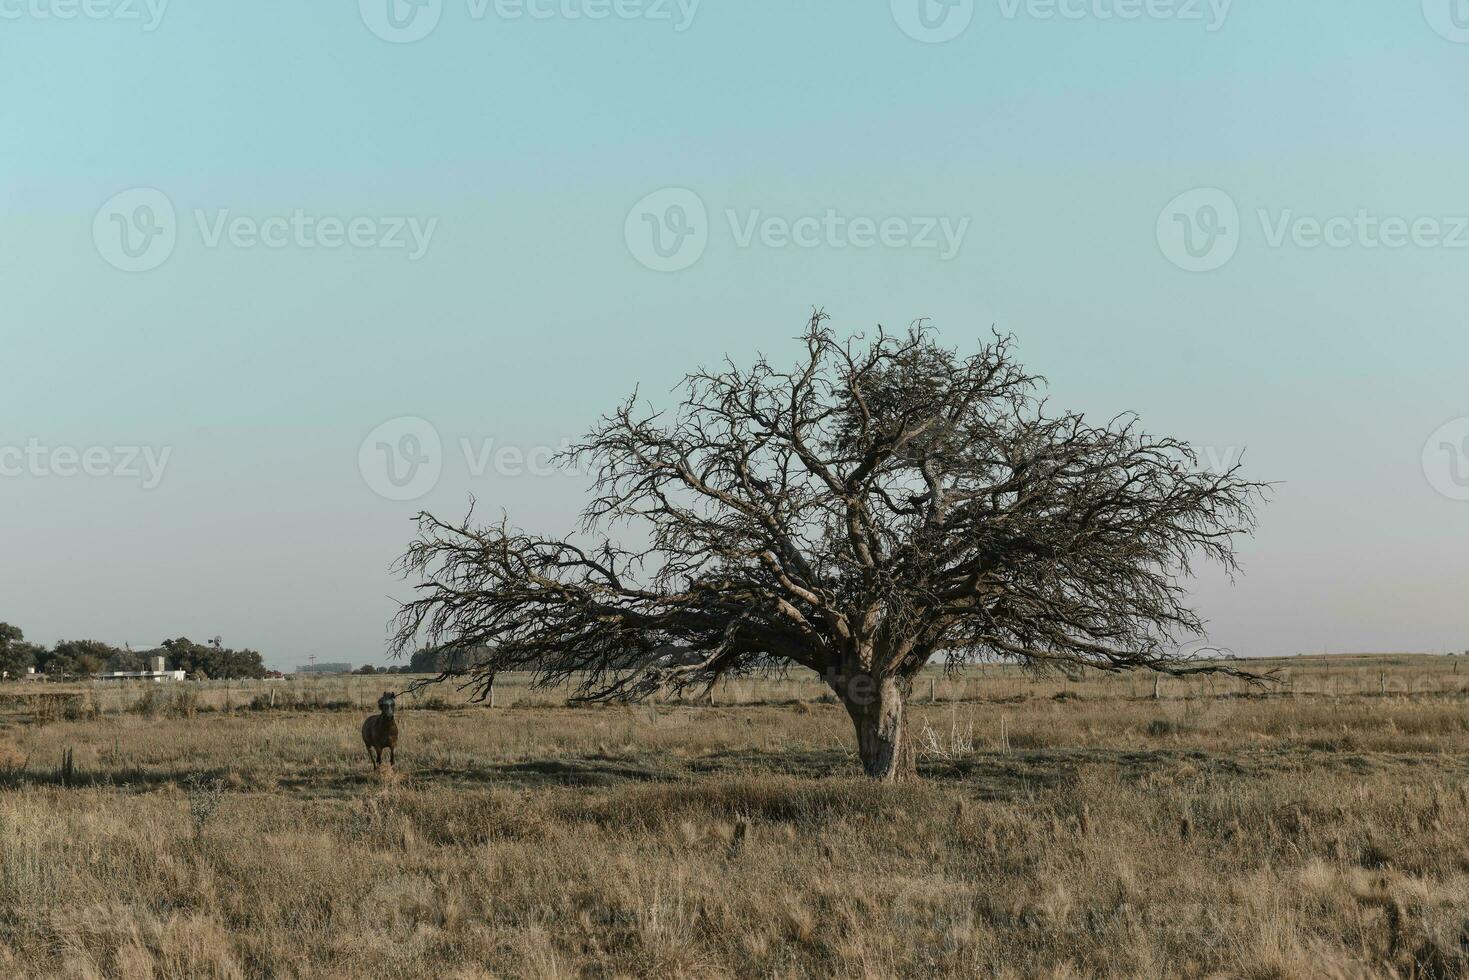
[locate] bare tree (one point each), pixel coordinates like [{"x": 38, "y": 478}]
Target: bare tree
[{"x": 883, "y": 504}]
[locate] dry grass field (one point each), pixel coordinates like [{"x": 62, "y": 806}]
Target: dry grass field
[{"x": 1062, "y": 829}]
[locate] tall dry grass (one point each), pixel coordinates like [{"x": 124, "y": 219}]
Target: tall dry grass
[{"x": 1078, "y": 830}]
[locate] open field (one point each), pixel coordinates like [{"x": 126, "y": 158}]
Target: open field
[{"x": 1063, "y": 829}]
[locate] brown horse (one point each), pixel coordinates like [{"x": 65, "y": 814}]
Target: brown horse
[{"x": 381, "y": 731}]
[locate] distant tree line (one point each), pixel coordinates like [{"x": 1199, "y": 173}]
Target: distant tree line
[
  {"x": 84, "y": 658},
  {"x": 432, "y": 660},
  {"x": 212, "y": 659}
]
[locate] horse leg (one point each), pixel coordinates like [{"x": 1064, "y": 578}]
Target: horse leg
[{"x": 393, "y": 756}]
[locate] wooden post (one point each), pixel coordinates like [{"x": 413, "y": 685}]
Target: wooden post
[{"x": 933, "y": 696}]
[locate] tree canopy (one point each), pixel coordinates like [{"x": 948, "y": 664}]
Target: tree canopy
[
  {"x": 16, "y": 655},
  {"x": 86, "y": 657},
  {"x": 882, "y": 503},
  {"x": 213, "y": 659},
  {"x": 77, "y": 657}
]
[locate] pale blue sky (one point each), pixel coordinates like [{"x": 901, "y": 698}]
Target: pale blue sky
[{"x": 527, "y": 141}]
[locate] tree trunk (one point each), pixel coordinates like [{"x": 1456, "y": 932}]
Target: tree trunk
[{"x": 876, "y": 706}]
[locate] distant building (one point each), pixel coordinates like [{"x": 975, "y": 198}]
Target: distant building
[{"x": 158, "y": 674}]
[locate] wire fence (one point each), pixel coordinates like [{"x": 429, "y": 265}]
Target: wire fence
[{"x": 1384, "y": 676}]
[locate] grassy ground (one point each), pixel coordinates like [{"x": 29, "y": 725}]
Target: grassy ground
[{"x": 1062, "y": 829}]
